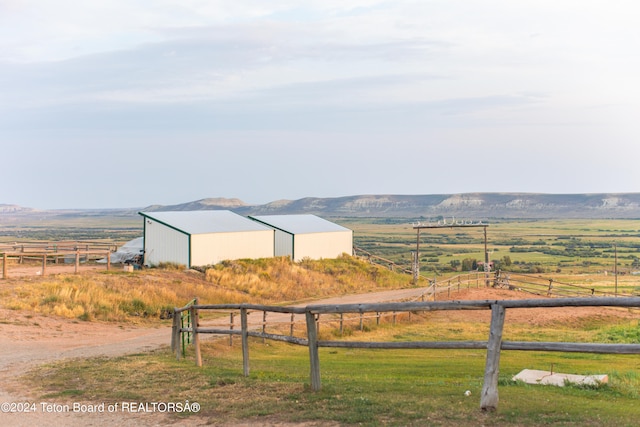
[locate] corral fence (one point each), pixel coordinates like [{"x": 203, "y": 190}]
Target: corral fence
[
  {"x": 540, "y": 285},
  {"x": 537, "y": 285},
  {"x": 54, "y": 252},
  {"x": 374, "y": 259},
  {"x": 532, "y": 284},
  {"x": 312, "y": 314}
]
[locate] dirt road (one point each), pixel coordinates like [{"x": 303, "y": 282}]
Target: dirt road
[{"x": 28, "y": 339}]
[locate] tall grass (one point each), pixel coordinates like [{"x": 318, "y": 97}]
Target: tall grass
[
  {"x": 281, "y": 280},
  {"x": 149, "y": 293},
  {"x": 112, "y": 296}
]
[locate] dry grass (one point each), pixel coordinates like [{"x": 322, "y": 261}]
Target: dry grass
[
  {"x": 280, "y": 280},
  {"x": 112, "y": 296},
  {"x": 119, "y": 296}
]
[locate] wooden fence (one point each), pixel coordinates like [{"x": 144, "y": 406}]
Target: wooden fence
[
  {"x": 374, "y": 259},
  {"x": 312, "y": 313},
  {"x": 47, "y": 254},
  {"x": 540, "y": 285},
  {"x": 532, "y": 284}
]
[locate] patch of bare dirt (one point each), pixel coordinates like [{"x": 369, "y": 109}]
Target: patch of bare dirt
[{"x": 570, "y": 316}]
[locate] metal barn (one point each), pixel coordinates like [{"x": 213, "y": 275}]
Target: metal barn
[
  {"x": 307, "y": 236},
  {"x": 197, "y": 238}
]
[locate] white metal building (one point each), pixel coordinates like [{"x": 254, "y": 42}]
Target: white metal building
[
  {"x": 307, "y": 236},
  {"x": 206, "y": 237}
]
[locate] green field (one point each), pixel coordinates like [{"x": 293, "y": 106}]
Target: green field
[
  {"x": 535, "y": 246},
  {"x": 528, "y": 246},
  {"x": 33, "y": 227},
  {"x": 361, "y": 387}
]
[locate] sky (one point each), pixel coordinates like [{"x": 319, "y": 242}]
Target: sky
[{"x": 128, "y": 103}]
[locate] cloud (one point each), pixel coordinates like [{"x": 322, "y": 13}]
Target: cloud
[{"x": 436, "y": 86}]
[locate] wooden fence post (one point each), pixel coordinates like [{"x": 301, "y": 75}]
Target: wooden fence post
[
  {"x": 264, "y": 325},
  {"x": 231, "y": 328},
  {"x": 175, "y": 333},
  {"x": 292, "y": 324},
  {"x": 44, "y": 264},
  {"x": 194, "y": 328},
  {"x": 77, "y": 262},
  {"x": 314, "y": 358},
  {"x": 489, "y": 396},
  {"x": 245, "y": 341},
  {"x": 550, "y": 287}
]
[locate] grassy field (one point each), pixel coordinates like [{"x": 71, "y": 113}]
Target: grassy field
[
  {"x": 529, "y": 246},
  {"x": 535, "y": 246},
  {"x": 146, "y": 294},
  {"x": 113, "y": 228},
  {"x": 360, "y": 387}
]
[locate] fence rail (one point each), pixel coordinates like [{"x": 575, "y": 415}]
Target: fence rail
[
  {"x": 540, "y": 285},
  {"x": 57, "y": 246},
  {"x": 45, "y": 257},
  {"x": 494, "y": 344},
  {"x": 53, "y": 251}
]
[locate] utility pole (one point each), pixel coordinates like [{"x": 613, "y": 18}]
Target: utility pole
[
  {"x": 486, "y": 260},
  {"x": 416, "y": 260},
  {"x": 615, "y": 266}
]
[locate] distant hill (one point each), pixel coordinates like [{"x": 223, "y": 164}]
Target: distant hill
[
  {"x": 470, "y": 205},
  {"x": 202, "y": 204},
  {"x": 12, "y": 209},
  {"x": 467, "y": 205}
]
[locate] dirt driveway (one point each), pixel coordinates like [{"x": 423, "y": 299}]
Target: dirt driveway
[{"x": 27, "y": 340}]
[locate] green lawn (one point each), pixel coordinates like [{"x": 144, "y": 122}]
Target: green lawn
[{"x": 359, "y": 387}]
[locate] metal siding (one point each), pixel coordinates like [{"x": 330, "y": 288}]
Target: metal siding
[
  {"x": 283, "y": 244},
  {"x": 215, "y": 247},
  {"x": 323, "y": 245},
  {"x": 164, "y": 244}
]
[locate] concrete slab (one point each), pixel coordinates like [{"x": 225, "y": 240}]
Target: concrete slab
[{"x": 532, "y": 376}]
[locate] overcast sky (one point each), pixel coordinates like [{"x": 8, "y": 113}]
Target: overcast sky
[{"x": 127, "y": 103}]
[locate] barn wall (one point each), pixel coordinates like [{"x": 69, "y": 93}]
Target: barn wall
[
  {"x": 164, "y": 244},
  {"x": 283, "y": 244},
  {"x": 212, "y": 248},
  {"x": 322, "y": 245}
]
